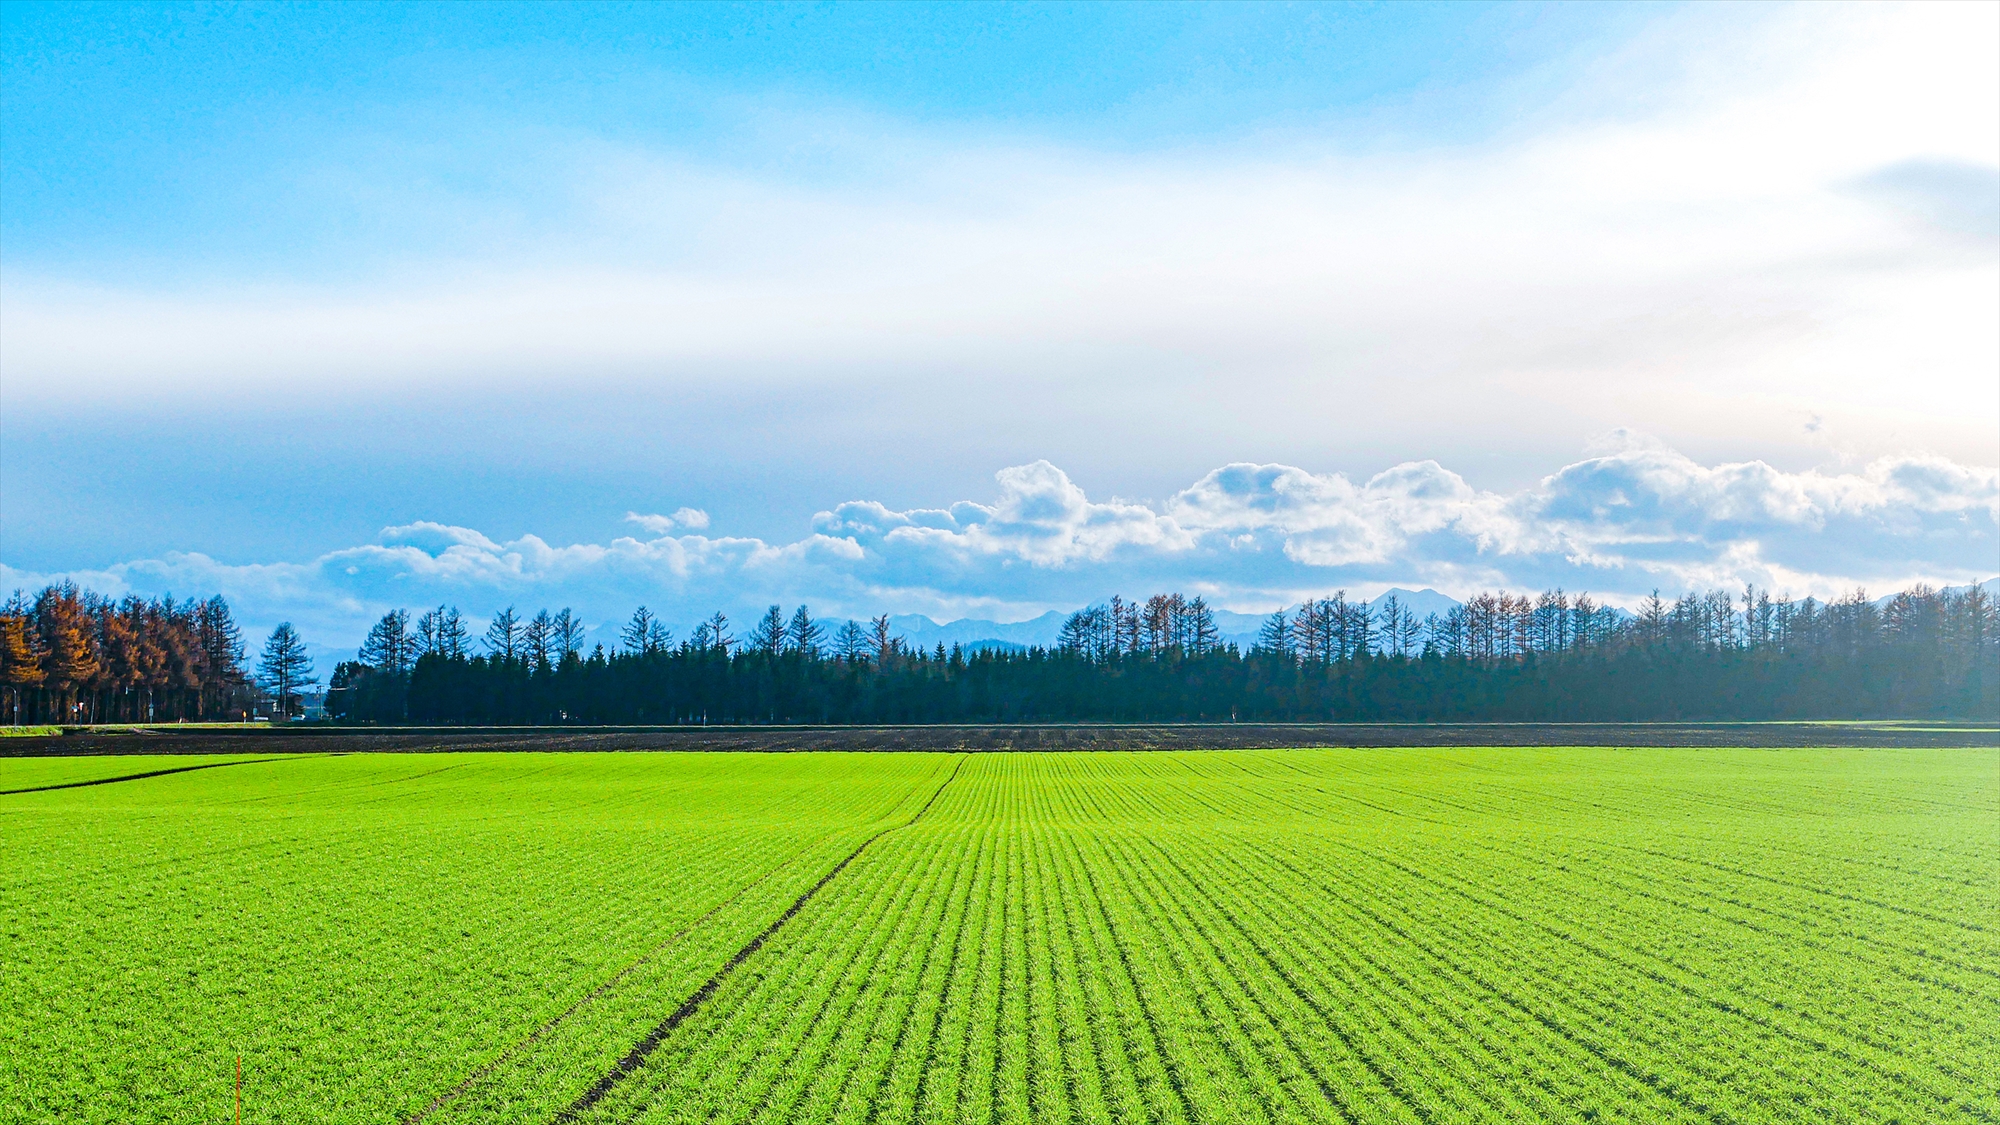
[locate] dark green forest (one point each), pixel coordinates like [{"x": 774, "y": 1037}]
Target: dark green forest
[
  {"x": 68, "y": 655},
  {"x": 1498, "y": 658}
]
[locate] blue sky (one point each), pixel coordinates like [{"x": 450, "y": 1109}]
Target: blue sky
[
  {"x": 183, "y": 138},
  {"x": 281, "y": 284}
]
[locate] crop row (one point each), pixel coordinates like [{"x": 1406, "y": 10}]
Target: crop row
[
  {"x": 1198, "y": 938},
  {"x": 1313, "y": 936},
  {"x": 367, "y": 931}
]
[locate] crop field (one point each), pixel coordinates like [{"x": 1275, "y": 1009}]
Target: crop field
[{"x": 1352, "y": 935}]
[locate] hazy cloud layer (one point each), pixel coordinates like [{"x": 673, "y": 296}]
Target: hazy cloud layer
[
  {"x": 1777, "y": 237},
  {"x": 1631, "y": 518}
]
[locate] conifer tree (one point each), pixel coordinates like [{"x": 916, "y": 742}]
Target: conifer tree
[
  {"x": 804, "y": 635},
  {"x": 390, "y": 647},
  {"x": 535, "y": 639},
  {"x": 284, "y": 667},
  {"x": 565, "y": 635},
  {"x": 638, "y": 635},
  {"x": 503, "y": 636},
  {"x": 851, "y": 642},
  {"x": 881, "y": 639},
  {"x": 714, "y": 634},
  {"x": 20, "y": 656},
  {"x": 1276, "y": 635},
  {"x": 769, "y": 635}
]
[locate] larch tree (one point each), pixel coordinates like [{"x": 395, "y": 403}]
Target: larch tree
[
  {"x": 390, "y": 647},
  {"x": 718, "y": 632},
  {"x": 637, "y": 635},
  {"x": 1275, "y": 636},
  {"x": 565, "y": 635},
  {"x": 284, "y": 666},
  {"x": 769, "y": 635},
  {"x": 805, "y": 635},
  {"x": 535, "y": 639},
  {"x": 20, "y": 656},
  {"x": 851, "y": 642},
  {"x": 503, "y": 635}
]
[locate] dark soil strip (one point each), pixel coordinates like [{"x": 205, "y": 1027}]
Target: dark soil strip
[
  {"x": 139, "y": 776},
  {"x": 645, "y": 1047},
  {"x": 1026, "y": 736}
]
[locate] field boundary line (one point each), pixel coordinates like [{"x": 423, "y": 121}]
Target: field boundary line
[
  {"x": 646, "y": 1046},
  {"x": 553, "y": 1022},
  {"x": 473, "y": 1079},
  {"x": 143, "y": 776}
]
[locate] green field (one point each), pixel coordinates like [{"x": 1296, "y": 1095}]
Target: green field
[{"x": 1409, "y": 935}]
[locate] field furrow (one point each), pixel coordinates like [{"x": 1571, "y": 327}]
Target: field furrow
[{"x": 1348, "y": 937}]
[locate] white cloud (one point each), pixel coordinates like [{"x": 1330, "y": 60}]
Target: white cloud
[
  {"x": 693, "y": 519},
  {"x": 1042, "y": 518},
  {"x": 1634, "y": 516}
]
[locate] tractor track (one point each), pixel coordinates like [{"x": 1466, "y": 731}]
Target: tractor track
[
  {"x": 141, "y": 776},
  {"x": 645, "y": 1047}
]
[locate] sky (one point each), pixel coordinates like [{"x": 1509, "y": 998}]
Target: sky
[{"x": 987, "y": 310}]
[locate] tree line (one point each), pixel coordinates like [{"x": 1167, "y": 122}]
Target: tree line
[
  {"x": 1498, "y": 657},
  {"x": 71, "y": 656}
]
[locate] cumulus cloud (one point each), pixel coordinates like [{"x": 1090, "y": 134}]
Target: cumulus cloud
[
  {"x": 1620, "y": 522},
  {"x": 692, "y": 518},
  {"x": 1042, "y": 518}
]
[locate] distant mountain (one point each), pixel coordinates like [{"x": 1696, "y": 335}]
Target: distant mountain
[
  {"x": 922, "y": 632},
  {"x": 1239, "y": 629},
  {"x": 1991, "y": 586},
  {"x": 1420, "y": 602}
]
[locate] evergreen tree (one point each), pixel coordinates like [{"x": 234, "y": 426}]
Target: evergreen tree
[{"x": 284, "y": 666}]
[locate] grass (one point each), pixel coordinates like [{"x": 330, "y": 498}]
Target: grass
[{"x": 1408, "y": 935}]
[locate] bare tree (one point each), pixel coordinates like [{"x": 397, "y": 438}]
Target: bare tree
[
  {"x": 503, "y": 636},
  {"x": 714, "y": 634},
  {"x": 537, "y": 639},
  {"x": 878, "y": 635},
  {"x": 1202, "y": 635},
  {"x": 565, "y": 636},
  {"x": 769, "y": 635},
  {"x": 645, "y": 634},
  {"x": 805, "y": 635},
  {"x": 851, "y": 642},
  {"x": 1089, "y": 633},
  {"x": 1125, "y": 628},
  {"x": 1276, "y": 635},
  {"x": 390, "y": 647}
]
